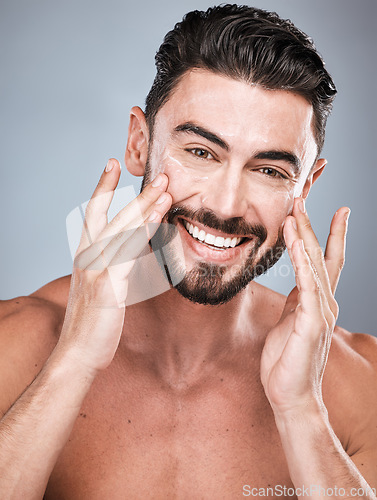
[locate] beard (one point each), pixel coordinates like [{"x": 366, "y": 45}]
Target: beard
[{"x": 207, "y": 283}]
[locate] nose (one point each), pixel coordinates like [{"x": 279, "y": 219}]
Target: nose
[{"x": 225, "y": 194}]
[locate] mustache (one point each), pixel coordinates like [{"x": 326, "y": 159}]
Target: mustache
[{"x": 236, "y": 225}]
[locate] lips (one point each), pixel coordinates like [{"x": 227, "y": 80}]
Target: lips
[{"x": 210, "y": 239}]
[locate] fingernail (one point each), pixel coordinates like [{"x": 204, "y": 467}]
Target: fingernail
[
  {"x": 301, "y": 206},
  {"x": 163, "y": 197},
  {"x": 294, "y": 224},
  {"x": 157, "y": 181},
  {"x": 109, "y": 166},
  {"x": 346, "y": 215}
]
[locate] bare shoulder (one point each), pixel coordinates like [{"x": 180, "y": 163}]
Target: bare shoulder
[
  {"x": 362, "y": 345},
  {"x": 268, "y": 305},
  {"x": 29, "y": 329},
  {"x": 350, "y": 387},
  {"x": 354, "y": 353}
]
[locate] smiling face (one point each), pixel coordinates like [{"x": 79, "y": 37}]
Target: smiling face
[{"x": 236, "y": 156}]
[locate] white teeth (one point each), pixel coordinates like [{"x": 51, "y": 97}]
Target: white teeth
[
  {"x": 210, "y": 239},
  {"x": 217, "y": 241},
  {"x": 201, "y": 235}
]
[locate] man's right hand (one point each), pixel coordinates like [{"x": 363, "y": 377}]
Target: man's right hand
[{"x": 107, "y": 251}]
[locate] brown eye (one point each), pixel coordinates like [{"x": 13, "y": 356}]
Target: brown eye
[
  {"x": 271, "y": 172},
  {"x": 201, "y": 153}
]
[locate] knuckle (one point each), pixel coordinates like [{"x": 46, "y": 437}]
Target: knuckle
[
  {"x": 318, "y": 253},
  {"x": 143, "y": 194},
  {"x": 145, "y": 197},
  {"x": 99, "y": 263},
  {"x": 77, "y": 265},
  {"x": 101, "y": 283},
  {"x": 89, "y": 211},
  {"x": 79, "y": 261},
  {"x": 332, "y": 324},
  {"x": 341, "y": 263},
  {"x": 314, "y": 287},
  {"x": 334, "y": 307},
  {"x": 101, "y": 279},
  {"x": 150, "y": 194},
  {"x": 323, "y": 324}
]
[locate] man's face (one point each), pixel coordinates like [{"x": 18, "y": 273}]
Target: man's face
[{"x": 236, "y": 156}]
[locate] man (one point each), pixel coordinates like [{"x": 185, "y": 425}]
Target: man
[{"x": 219, "y": 387}]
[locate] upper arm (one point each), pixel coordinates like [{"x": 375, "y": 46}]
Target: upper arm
[
  {"x": 351, "y": 389},
  {"x": 365, "y": 458},
  {"x": 29, "y": 330},
  {"x": 366, "y": 463}
]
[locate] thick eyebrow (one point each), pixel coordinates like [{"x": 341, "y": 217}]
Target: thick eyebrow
[
  {"x": 202, "y": 132},
  {"x": 278, "y": 155}
]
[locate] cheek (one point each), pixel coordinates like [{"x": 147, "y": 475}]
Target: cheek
[
  {"x": 272, "y": 202},
  {"x": 272, "y": 209},
  {"x": 183, "y": 181}
]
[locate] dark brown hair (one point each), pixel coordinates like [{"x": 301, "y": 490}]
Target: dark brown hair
[{"x": 247, "y": 44}]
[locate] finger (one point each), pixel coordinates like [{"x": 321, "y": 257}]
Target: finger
[
  {"x": 310, "y": 292},
  {"x": 290, "y": 233},
  {"x": 118, "y": 270},
  {"x": 130, "y": 250},
  {"x": 130, "y": 241},
  {"x": 311, "y": 325},
  {"x": 136, "y": 212},
  {"x": 336, "y": 246},
  {"x": 126, "y": 221},
  {"x": 98, "y": 206},
  {"x": 291, "y": 237},
  {"x": 311, "y": 244},
  {"x": 291, "y": 303}
]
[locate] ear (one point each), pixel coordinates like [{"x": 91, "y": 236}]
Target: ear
[
  {"x": 137, "y": 143},
  {"x": 314, "y": 174}
]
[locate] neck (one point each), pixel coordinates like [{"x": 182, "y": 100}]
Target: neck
[{"x": 183, "y": 339}]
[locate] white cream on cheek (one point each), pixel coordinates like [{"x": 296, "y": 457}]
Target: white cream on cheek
[
  {"x": 184, "y": 180},
  {"x": 163, "y": 160},
  {"x": 173, "y": 164}
]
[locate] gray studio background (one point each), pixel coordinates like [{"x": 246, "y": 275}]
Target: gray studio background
[{"x": 70, "y": 72}]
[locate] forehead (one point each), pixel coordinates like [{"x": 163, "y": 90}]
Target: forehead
[{"x": 245, "y": 115}]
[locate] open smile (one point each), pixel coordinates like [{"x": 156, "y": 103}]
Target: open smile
[
  {"x": 210, "y": 239},
  {"x": 211, "y": 244}
]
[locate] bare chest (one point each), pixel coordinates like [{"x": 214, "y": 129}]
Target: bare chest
[{"x": 145, "y": 443}]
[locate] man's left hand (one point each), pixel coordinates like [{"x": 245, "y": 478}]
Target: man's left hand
[{"x": 296, "y": 349}]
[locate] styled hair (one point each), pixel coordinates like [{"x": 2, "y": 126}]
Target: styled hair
[{"x": 248, "y": 44}]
